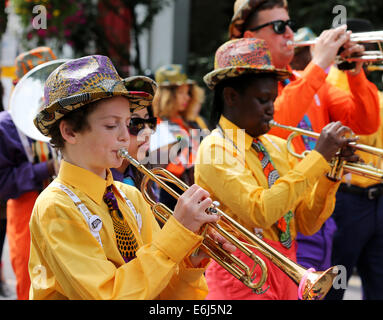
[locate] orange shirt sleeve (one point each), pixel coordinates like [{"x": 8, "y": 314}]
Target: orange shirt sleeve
[
  {"x": 294, "y": 100},
  {"x": 358, "y": 109}
]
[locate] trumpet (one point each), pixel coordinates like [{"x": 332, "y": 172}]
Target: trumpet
[
  {"x": 375, "y": 67},
  {"x": 359, "y": 37},
  {"x": 337, "y": 167},
  {"x": 313, "y": 285}
]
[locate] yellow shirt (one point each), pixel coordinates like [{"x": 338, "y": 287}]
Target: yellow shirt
[
  {"x": 338, "y": 78},
  {"x": 234, "y": 177},
  {"x": 67, "y": 262}
]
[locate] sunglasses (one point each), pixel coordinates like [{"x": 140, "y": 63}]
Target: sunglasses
[
  {"x": 137, "y": 124},
  {"x": 279, "y": 26}
]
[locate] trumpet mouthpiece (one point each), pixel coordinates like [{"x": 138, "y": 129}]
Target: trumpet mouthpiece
[{"x": 123, "y": 153}]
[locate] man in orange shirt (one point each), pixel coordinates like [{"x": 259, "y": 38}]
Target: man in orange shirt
[{"x": 305, "y": 99}]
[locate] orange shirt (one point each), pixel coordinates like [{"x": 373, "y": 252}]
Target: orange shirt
[
  {"x": 339, "y": 79},
  {"x": 309, "y": 93},
  {"x": 188, "y": 143}
]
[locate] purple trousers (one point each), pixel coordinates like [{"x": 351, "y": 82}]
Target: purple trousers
[{"x": 315, "y": 251}]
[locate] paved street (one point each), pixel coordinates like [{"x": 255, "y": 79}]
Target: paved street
[
  {"x": 8, "y": 273},
  {"x": 352, "y": 293}
]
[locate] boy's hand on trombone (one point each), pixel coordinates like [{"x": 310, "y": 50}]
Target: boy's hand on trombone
[{"x": 333, "y": 141}]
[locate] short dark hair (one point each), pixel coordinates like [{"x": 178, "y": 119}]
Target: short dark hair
[
  {"x": 239, "y": 84},
  {"x": 77, "y": 119},
  {"x": 252, "y": 18}
]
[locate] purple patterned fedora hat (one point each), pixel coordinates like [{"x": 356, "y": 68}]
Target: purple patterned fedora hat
[
  {"x": 241, "y": 56},
  {"x": 81, "y": 81}
]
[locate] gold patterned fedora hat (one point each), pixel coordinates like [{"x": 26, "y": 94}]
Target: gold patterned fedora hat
[
  {"x": 172, "y": 75},
  {"x": 242, "y": 10},
  {"x": 81, "y": 81},
  {"x": 26, "y": 61},
  {"x": 242, "y": 56}
]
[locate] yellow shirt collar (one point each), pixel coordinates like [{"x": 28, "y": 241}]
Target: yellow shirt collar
[
  {"x": 231, "y": 131},
  {"x": 88, "y": 182}
]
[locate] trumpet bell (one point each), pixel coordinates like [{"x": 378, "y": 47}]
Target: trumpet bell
[
  {"x": 27, "y": 98},
  {"x": 318, "y": 284}
]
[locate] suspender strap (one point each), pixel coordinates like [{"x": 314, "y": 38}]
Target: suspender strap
[
  {"x": 132, "y": 208},
  {"x": 94, "y": 221}
]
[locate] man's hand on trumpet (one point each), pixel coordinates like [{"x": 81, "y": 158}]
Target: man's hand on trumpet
[
  {"x": 352, "y": 49},
  {"x": 333, "y": 141},
  {"x": 336, "y": 42},
  {"x": 328, "y": 44}
]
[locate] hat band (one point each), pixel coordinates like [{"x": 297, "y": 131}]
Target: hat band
[{"x": 82, "y": 97}]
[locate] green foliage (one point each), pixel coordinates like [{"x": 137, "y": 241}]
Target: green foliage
[{"x": 318, "y": 15}]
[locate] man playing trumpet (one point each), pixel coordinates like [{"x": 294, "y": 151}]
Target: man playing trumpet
[
  {"x": 305, "y": 99},
  {"x": 274, "y": 195}
]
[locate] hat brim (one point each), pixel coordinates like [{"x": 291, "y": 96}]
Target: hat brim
[
  {"x": 140, "y": 84},
  {"x": 139, "y": 90},
  {"x": 167, "y": 84},
  {"x": 213, "y": 78}
]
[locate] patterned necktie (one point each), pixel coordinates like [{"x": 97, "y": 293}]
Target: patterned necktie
[
  {"x": 283, "y": 224},
  {"x": 126, "y": 242},
  {"x": 306, "y": 125}
]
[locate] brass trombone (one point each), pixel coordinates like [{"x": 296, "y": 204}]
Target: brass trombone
[
  {"x": 313, "y": 285},
  {"x": 359, "y": 37},
  {"x": 337, "y": 167}
]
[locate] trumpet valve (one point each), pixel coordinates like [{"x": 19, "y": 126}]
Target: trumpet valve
[{"x": 213, "y": 208}]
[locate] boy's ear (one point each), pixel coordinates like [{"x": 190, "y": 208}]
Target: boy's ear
[
  {"x": 230, "y": 96},
  {"x": 67, "y": 132}
]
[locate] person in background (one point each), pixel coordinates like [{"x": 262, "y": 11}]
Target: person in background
[
  {"x": 177, "y": 104},
  {"x": 306, "y": 100},
  {"x": 4, "y": 290},
  {"x": 142, "y": 125},
  {"x": 303, "y": 54},
  {"x": 358, "y": 214},
  {"x": 26, "y": 168}
]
